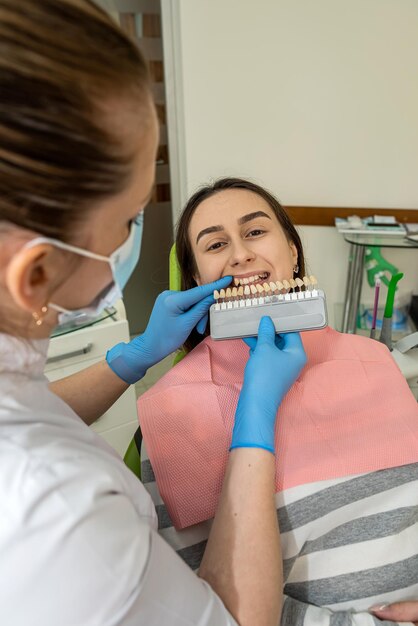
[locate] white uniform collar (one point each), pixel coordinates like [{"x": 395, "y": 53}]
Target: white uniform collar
[{"x": 22, "y": 356}]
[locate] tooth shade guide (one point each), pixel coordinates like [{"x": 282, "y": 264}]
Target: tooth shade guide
[
  {"x": 274, "y": 288},
  {"x": 260, "y": 294}
]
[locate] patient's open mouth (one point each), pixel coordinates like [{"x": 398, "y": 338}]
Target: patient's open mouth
[{"x": 254, "y": 278}]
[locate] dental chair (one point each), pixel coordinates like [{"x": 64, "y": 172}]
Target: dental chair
[{"x": 132, "y": 458}]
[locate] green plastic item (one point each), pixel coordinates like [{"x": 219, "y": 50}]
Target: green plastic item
[
  {"x": 386, "y": 332},
  {"x": 391, "y": 294},
  {"x": 377, "y": 267}
]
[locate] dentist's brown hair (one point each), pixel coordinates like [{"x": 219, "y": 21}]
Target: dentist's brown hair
[
  {"x": 184, "y": 250},
  {"x": 62, "y": 65}
]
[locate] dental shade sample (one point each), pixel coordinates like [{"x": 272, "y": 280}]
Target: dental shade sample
[{"x": 294, "y": 305}]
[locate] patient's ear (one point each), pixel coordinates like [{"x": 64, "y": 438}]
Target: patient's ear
[{"x": 294, "y": 252}]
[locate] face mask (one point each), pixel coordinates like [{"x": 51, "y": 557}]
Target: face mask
[{"x": 122, "y": 262}]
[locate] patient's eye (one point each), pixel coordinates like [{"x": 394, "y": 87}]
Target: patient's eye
[
  {"x": 255, "y": 232},
  {"x": 216, "y": 245}
]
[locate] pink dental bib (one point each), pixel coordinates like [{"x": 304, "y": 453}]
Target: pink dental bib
[{"x": 351, "y": 411}]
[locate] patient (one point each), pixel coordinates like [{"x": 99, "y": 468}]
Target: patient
[{"x": 346, "y": 440}]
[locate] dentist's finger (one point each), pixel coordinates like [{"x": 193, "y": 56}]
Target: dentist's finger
[
  {"x": 266, "y": 331},
  {"x": 251, "y": 342},
  {"x": 186, "y": 299},
  {"x": 201, "y": 325},
  {"x": 292, "y": 342}
]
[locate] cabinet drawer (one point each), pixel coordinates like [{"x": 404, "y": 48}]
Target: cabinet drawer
[{"x": 85, "y": 346}]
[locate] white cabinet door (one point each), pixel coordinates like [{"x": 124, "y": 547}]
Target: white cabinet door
[{"x": 75, "y": 351}]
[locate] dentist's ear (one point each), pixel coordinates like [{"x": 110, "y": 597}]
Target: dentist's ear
[{"x": 29, "y": 276}]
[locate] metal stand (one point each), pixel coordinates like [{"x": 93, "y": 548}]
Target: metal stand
[{"x": 353, "y": 288}]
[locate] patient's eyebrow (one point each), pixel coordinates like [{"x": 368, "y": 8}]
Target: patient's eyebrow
[
  {"x": 207, "y": 231},
  {"x": 242, "y": 220},
  {"x": 251, "y": 216}
]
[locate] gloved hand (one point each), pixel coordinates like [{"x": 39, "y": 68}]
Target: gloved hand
[
  {"x": 173, "y": 317},
  {"x": 274, "y": 364}
]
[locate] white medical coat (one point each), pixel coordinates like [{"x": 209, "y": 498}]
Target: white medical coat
[{"x": 78, "y": 540}]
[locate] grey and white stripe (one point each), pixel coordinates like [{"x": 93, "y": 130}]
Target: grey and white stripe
[{"x": 347, "y": 543}]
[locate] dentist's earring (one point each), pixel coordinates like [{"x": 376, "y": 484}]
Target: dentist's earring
[
  {"x": 39, "y": 317},
  {"x": 296, "y": 269}
]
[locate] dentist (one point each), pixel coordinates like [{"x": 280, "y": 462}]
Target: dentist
[{"x": 78, "y": 540}]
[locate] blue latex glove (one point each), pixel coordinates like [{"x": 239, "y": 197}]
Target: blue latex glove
[
  {"x": 274, "y": 364},
  {"x": 173, "y": 317}
]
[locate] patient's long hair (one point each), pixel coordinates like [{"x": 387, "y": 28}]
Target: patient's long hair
[{"x": 185, "y": 254}]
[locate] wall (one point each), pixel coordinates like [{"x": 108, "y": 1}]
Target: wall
[{"x": 316, "y": 100}]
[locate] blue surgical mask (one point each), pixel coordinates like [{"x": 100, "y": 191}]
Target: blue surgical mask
[{"x": 122, "y": 262}]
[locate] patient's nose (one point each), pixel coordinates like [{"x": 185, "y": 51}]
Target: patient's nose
[{"x": 241, "y": 254}]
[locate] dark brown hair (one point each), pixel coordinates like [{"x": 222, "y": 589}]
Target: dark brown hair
[
  {"x": 61, "y": 61},
  {"x": 184, "y": 251}
]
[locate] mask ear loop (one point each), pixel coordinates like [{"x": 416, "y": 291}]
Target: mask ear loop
[{"x": 39, "y": 317}]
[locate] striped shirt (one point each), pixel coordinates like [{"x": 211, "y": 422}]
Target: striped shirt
[{"x": 347, "y": 544}]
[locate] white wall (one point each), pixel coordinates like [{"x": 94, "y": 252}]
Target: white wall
[{"x": 317, "y": 100}]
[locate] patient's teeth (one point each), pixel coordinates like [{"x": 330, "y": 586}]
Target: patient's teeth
[
  {"x": 245, "y": 281},
  {"x": 251, "y": 279},
  {"x": 236, "y": 282}
]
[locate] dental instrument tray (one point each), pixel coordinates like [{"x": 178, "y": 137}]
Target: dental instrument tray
[{"x": 294, "y": 305}]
